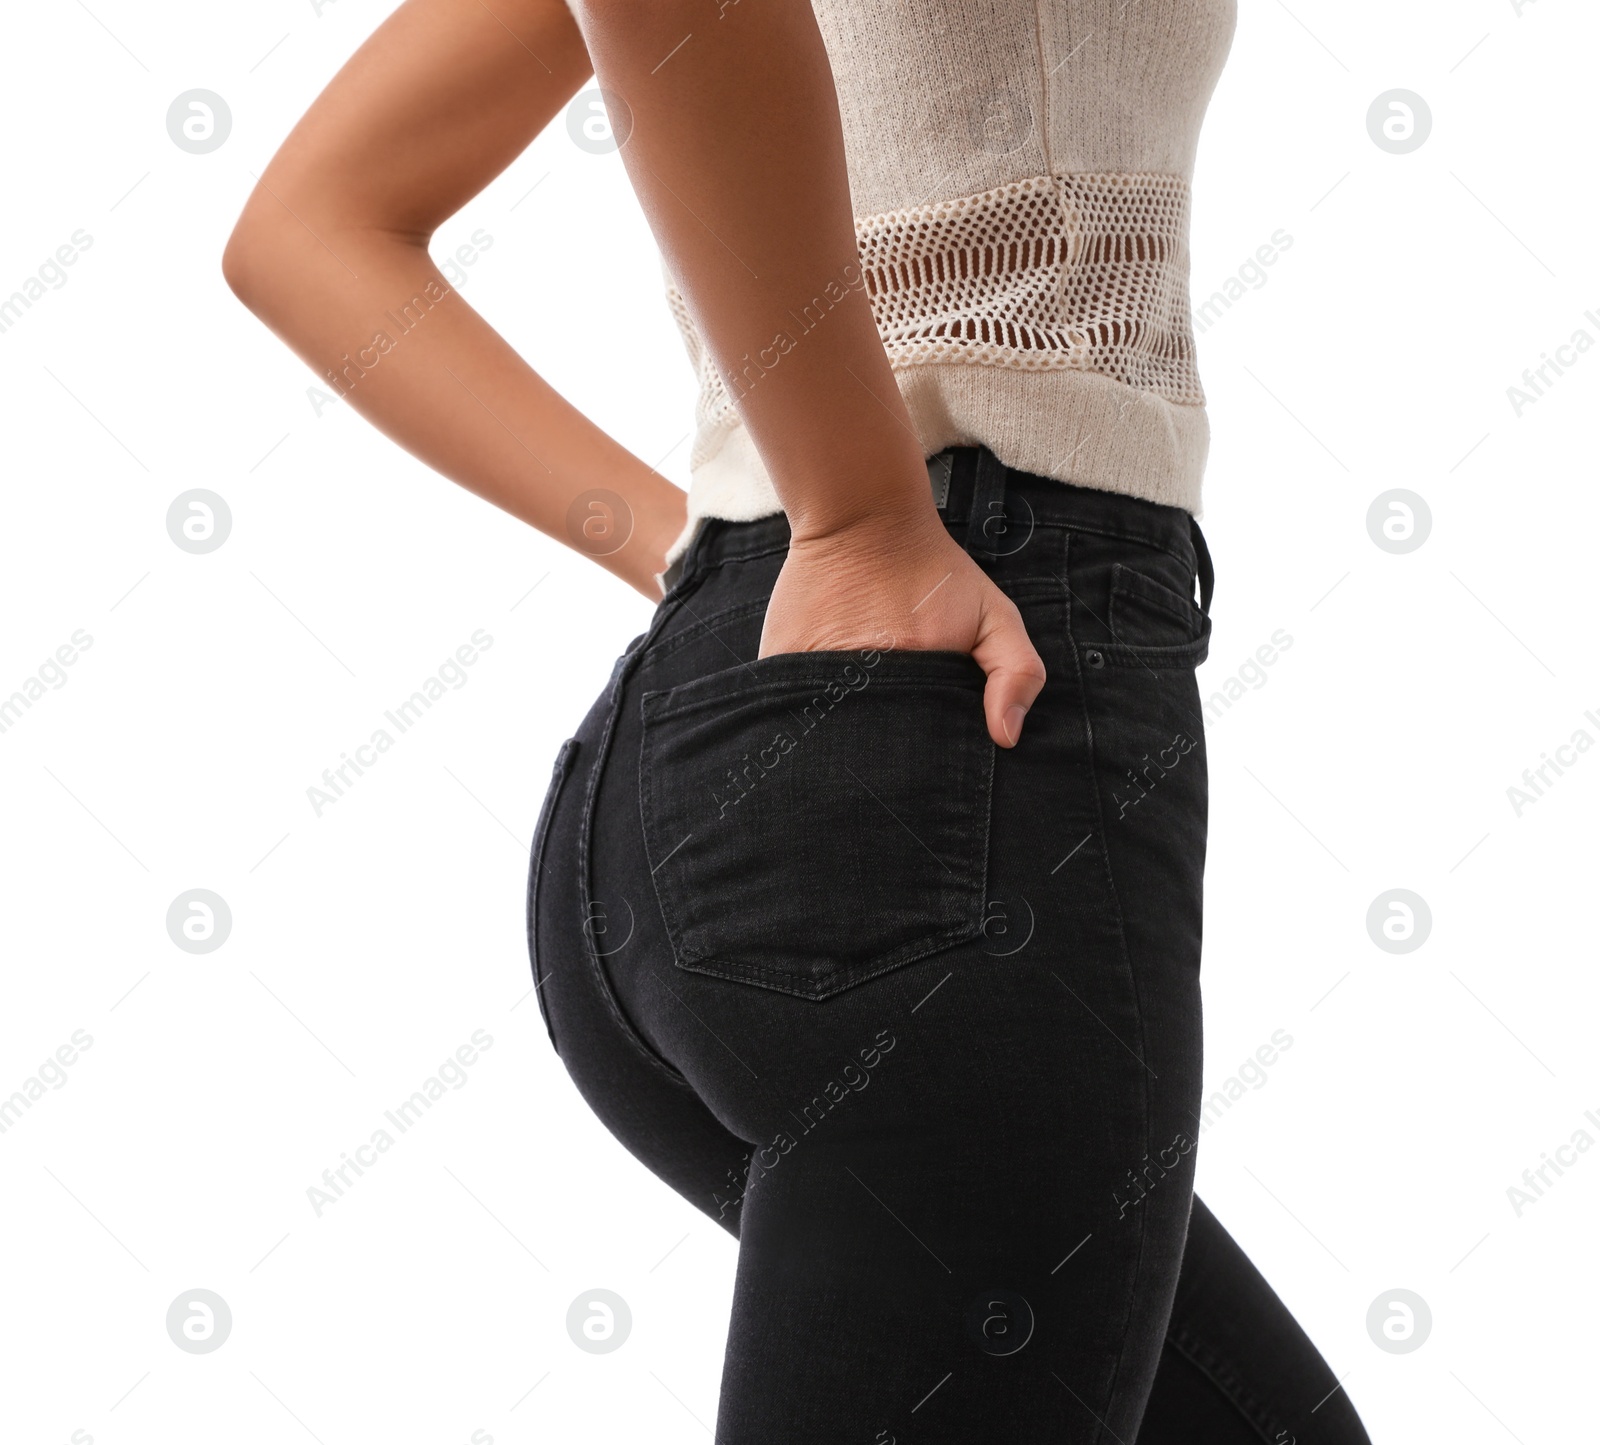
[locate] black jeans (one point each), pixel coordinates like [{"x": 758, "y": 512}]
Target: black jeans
[{"x": 916, "y": 1018}]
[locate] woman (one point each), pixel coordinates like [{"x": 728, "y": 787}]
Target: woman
[{"x": 865, "y": 902}]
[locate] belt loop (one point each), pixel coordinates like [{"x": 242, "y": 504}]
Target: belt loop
[
  {"x": 940, "y": 466},
  {"x": 687, "y": 561},
  {"x": 986, "y": 518},
  {"x": 1202, "y": 558}
]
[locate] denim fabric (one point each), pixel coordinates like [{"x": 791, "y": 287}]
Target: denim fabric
[
  {"x": 750, "y": 777},
  {"x": 916, "y": 1018}
]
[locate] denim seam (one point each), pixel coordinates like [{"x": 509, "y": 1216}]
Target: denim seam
[
  {"x": 1210, "y": 1364},
  {"x": 1127, "y": 963},
  {"x": 738, "y": 973},
  {"x": 1190, "y": 655},
  {"x": 1126, "y": 582},
  {"x": 735, "y": 973},
  {"x": 585, "y": 829},
  {"x": 667, "y": 646},
  {"x": 696, "y": 572},
  {"x": 560, "y": 772},
  {"x": 1116, "y": 533},
  {"x": 767, "y": 690}
]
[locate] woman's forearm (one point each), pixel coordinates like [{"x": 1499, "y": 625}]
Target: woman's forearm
[
  {"x": 374, "y": 318},
  {"x": 736, "y": 151},
  {"x": 331, "y": 252},
  {"x": 737, "y": 155}
]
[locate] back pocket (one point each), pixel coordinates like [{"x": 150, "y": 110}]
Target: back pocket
[{"x": 814, "y": 819}]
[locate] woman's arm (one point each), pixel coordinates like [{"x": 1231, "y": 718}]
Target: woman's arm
[
  {"x": 332, "y": 245},
  {"x": 737, "y": 155}
]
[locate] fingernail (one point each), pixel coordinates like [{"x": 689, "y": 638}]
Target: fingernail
[{"x": 1012, "y": 722}]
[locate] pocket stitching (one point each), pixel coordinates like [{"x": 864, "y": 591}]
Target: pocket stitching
[
  {"x": 709, "y": 687},
  {"x": 729, "y": 968},
  {"x": 693, "y": 960},
  {"x": 1128, "y": 582},
  {"x": 1190, "y": 654}
]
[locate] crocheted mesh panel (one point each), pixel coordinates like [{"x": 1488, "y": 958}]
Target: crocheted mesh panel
[
  {"x": 1082, "y": 271},
  {"x": 714, "y": 411},
  {"x": 1070, "y": 272}
]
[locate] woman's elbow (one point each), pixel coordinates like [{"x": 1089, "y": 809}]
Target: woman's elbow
[
  {"x": 265, "y": 249},
  {"x": 247, "y": 261}
]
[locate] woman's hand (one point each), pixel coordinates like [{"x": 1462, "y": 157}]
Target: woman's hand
[{"x": 904, "y": 575}]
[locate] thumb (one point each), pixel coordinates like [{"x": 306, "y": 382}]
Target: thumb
[{"x": 1015, "y": 670}]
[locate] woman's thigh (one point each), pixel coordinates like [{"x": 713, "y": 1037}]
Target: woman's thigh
[{"x": 1237, "y": 1368}]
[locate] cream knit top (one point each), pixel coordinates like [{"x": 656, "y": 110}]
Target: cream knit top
[{"x": 1019, "y": 173}]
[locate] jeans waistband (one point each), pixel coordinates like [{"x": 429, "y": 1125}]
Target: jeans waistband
[{"x": 993, "y": 510}]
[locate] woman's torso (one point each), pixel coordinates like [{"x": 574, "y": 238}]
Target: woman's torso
[{"x": 1020, "y": 173}]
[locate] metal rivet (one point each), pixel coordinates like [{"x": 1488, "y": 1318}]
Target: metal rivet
[{"x": 1095, "y": 657}]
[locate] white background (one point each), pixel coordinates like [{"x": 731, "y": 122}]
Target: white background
[{"x": 369, "y": 942}]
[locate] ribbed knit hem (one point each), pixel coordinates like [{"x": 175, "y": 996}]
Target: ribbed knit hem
[
  {"x": 1075, "y": 426},
  {"x": 732, "y": 484}
]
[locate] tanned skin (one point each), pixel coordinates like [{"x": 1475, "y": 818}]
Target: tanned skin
[{"x": 732, "y": 141}]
